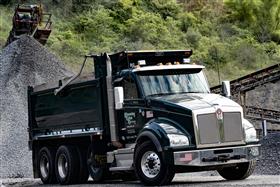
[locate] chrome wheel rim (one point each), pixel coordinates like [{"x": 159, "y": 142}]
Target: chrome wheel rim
[
  {"x": 62, "y": 166},
  {"x": 150, "y": 164},
  {"x": 44, "y": 166}
]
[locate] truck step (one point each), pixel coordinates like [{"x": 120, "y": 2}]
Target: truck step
[{"x": 122, "y": 168}]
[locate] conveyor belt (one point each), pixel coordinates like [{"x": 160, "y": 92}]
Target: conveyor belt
[
  {"x": 272, "y": 116},
  {"x": 253, "y": 80},
  {"x": 249, "y": 82}
]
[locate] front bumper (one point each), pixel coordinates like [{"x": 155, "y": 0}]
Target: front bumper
[{"x": 216, "y": 156}]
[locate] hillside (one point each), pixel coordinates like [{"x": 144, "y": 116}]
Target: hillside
[{"x": 237, "y": 37}]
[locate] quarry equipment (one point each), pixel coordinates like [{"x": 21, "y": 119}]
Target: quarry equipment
[
  {"x": 148, "y": 113},
  {"x": 253, "y": 80},
  {"x": 249, "y": 82},
  {"x": 30, "y": 20}
]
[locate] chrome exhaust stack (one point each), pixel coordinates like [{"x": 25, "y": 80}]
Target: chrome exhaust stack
[{"x": 110, "y": 95}]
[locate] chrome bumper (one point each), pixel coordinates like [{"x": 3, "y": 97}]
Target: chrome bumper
[{"x": 217, "y": 156}]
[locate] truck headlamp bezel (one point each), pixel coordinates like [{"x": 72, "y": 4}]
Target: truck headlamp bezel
[
  {"x": 178, "y": 140},
  {"x": 250, "y": 132}
]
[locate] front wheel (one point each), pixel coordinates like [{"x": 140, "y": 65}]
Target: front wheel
[
  {"x": 150, "y": 166},
  {"x": 238, "y": 172}
]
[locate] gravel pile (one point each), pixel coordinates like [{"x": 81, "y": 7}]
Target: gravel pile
[
  {"x": 22, "y": 63},
  {"x": 269, "y": 161}
]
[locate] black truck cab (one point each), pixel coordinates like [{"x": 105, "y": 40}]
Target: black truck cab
[{"x": 148, "y": 113}]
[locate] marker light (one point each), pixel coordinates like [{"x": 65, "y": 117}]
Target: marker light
[
  {"x": 141, "y": 62},
  {"x": 186, "y": 60}
]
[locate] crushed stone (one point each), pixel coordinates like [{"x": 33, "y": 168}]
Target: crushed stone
[
  {"x": 22, "y": 63},
  {"x": 269, "y": 161}
]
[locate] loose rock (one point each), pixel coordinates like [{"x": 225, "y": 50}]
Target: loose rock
[
  {"x": 269, "y": 161},
  {"x": 22, "y": 63}
]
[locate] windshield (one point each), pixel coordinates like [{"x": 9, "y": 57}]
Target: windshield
[{"x": 173, "y": 82}]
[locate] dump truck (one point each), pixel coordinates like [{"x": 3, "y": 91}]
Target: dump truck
[
  {"x": 30, "y": 20},
  {"x": 141, "y": 114}
]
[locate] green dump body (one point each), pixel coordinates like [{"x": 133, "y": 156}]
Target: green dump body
[{"x": 79, "y": 106}]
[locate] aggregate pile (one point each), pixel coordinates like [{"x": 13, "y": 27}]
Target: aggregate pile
[
  {"x": 22, "y": 63},
  {"x": 269, "y": 161}
]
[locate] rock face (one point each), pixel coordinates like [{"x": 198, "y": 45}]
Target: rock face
[
  {"x": 267, "y": 96},
  {"x": 22, "y": 63}
]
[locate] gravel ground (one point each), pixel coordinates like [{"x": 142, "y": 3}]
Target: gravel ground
[
  {"x": 269, "y": 161},
  {"x": 184, "y": 179},
  {"x": 22, "y": 63}
]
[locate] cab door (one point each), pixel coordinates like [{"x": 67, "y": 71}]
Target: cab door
[{"x": 133, "y": 113}]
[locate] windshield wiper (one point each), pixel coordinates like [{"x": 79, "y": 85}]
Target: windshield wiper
[
  {"x": 160, "y": 94},
  {"x": 190, "y": 92},
  {"x": 172, "y": 93}
]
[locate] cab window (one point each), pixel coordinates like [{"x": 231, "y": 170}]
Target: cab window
[{"x": 130, "y": 89}]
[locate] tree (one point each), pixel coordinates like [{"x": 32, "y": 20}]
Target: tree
[{"x": 261, "y": 16}]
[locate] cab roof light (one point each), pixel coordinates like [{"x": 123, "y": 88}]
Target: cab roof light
[
  {"x": 137, "y": 66},
  {"x": 186, "y": 60},
  {"x": 141, "y": 62}
]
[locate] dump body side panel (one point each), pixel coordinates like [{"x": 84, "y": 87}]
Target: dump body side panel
[{"x": 79, "y": 106}]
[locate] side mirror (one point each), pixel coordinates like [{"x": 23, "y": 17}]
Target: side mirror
[
  {"x": 118, "y": 93},
  {"x": 226, "y": 89}
]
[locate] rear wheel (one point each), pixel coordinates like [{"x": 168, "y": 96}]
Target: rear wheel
[
  {"x": 238, "y": 172},
  {"x": 46, "y": 160},
  {"x": 67, "y": 165},
  {"x": 151, "y": 167}
]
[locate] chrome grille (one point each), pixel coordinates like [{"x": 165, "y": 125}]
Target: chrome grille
[
  {"x": 232, "y": 127},
  {"x": 208, "y": 131},
  {"x": 211, "y": 131}
]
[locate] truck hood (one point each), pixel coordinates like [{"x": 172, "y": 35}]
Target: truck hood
[{"x": 196, "y": 101}]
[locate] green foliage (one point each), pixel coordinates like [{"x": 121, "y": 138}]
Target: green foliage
[
  {"x": 236, "y": 36},
  {"x": 166, "y": 8},
  {"x": 5, "y": 24},
  {"x": 187, "y": 20},
  {"x": 261, "y": 16}
]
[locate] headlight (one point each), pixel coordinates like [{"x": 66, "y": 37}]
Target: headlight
[
  {"x": 250, "y": 131},
  {"x": 178, "y": 140}
]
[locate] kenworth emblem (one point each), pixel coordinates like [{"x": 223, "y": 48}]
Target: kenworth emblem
[{"x": 219, "y": 114}]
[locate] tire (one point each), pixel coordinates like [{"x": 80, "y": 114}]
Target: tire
[
  {"x": 238, "y": 172},
  {"x": 67, "y": 165},
  {"x": 83, "y": 174},
  {"x": 97, "y": 170},
  {"x": 151, "y": 167},
  {"x": 46, "y": 163}
]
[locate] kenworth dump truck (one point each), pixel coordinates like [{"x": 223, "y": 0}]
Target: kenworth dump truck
[{"x": 143, "y": 113}]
